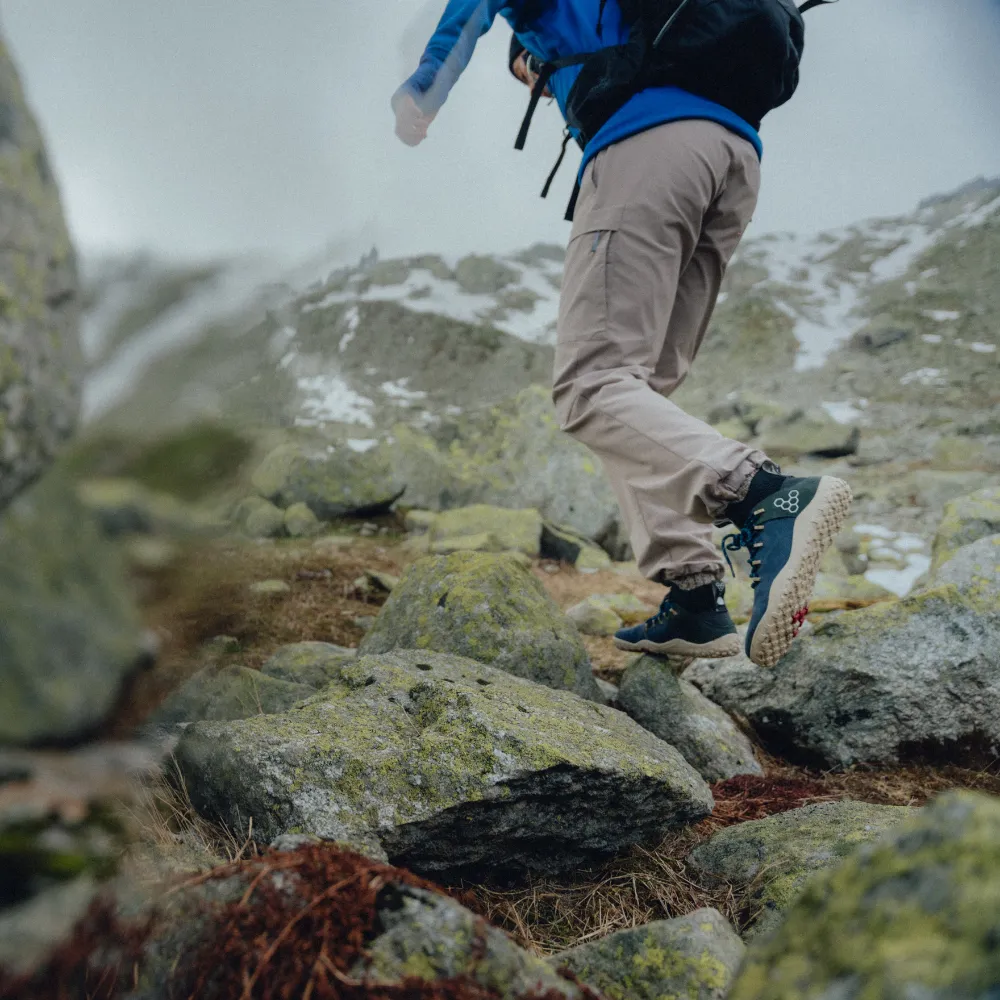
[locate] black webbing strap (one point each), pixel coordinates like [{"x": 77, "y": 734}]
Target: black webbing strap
[
  {"x": 571, "y": 207},
  {"x": 559, "y": 162},
  {"x": 809, "y": 4},
  {"x": 536, "y": 95}
]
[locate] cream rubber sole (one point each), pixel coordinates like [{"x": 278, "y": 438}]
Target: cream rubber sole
[
  {"x": 727, "y": 645},
  {"x": 814, "y": 532}
]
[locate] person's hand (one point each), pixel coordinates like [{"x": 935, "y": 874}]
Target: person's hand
[{"x": 411, "y": 122}]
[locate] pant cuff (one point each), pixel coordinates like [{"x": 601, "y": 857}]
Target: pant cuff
[
  {"x": 735, "y": 485},
  {"x": 688, "y": 578}
]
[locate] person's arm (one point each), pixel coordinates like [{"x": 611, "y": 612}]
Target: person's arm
[{"x": 447, "y": 54}]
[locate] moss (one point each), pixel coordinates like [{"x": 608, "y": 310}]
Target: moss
[
  {"x": 966, "y": 520},
  {"x": 912, "y": 913}
]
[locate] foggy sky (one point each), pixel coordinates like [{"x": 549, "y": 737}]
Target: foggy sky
[{"x": 201, "y": 127}]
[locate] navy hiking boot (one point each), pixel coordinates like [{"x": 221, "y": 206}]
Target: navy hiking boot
[
  {"x": 677, "y": 630},
  {"x": 786, "y": 534}
]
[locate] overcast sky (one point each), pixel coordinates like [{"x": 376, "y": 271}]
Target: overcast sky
[{"x": 199, "y": 127}]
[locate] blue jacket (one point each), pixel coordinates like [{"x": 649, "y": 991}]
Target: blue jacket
[{"x": 564, "y": 28}]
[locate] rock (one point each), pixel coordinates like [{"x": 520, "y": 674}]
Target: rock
[
  {"x": 563, "y": 543},
  {"x": 126, "y": 507},
  {"x": 483, "y": 275},
  {"x": 513, "y": 455},
  {"x": 382, "y": 583},
  {"x": 265, "y": 521},
  {"x": 445, "y": 766},
  {"x": 609, "y": 692},
  {"x": 910, "y": 681},
  {"x": 877, "y": 335},
  {"x": 807, "y": 433},
  {"x": 151, "y": 555},
  {"x": 364, "y": 622},
  {"x": 490, "y": 609},
  {"x": 593, "y": 617},
  {"x": 41, "y": 367},
  {"x": 222, "y": 645},
  {"x": 270, "y": 588},
  {"x": 694, "y": 957},
  {"x": 419, "y": 522},
  {"x": 70, "y": 635},
  {"x": 975, "y": 570},
  {"x": 935, "y": 489},
  {"x": 311, "y": 663},
  {"x": 431, "y": 937},
  {"x": 966, "y": 520},
  {"x": 848, "y": 588},
  {"x": 506, "y": 530},
  {"x": 682, "y": 716},
  {"x": 230, "y": 693},
  {"x": 911, "y": 915},
  {"x": 778, "y": 855},
  {"x": 301, "y": 522},
  {"x": 627, "y": 605},
  {"x": 333, "y": 482}
]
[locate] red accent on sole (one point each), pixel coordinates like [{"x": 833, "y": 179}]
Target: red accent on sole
[{"x": 800, "y": 619}]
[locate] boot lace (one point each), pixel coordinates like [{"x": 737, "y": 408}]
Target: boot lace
[{"x": 747, "y": 538}]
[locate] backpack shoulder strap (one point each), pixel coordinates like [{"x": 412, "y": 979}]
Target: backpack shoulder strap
[
  {"x": 539, "y": 89},
  {"x": 809, "y": 4}
]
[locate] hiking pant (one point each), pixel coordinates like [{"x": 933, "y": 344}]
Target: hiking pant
[{"x": 659, "y": 216}]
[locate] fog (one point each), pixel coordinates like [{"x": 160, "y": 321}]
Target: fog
[{"x": 207, "y": 127}]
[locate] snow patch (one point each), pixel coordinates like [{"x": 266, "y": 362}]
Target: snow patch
[
  {"x": 329, "y": 399},
  {"x": 398, "y": 391},
  {"x": 844, "y": 412},
  {"x": 925, "y": 376},
  {"x": 352, "y": 319}
]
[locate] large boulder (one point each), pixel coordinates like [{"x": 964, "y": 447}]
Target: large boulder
[
  {"x": 333, "y": 481},
  {"x": 512, "y": 455},
  {"x": 70, "y": 635},
  {"x": 914, "y": 914},
  {"x": 677, "y": 712},
  {"x": 966, "y": 520},
  {"x": 974, "y": 569},
  {"x": 505, "y": 530},
  {"x": 695, "y": 957},
  {"x": 40, "y": 361},
  {"x": 488, "y": 608},
  {"x": 445, "y": 766},
  {"x": 810, "y": 432},
  {"x": 910, "y": 681},
  {"x": 230, "y": 693},
  {"x": 777, "y": 855}
]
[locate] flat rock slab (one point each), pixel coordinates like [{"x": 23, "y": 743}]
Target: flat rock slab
[
  {"x": 445, "y": 766},
  {"x": 913, "y": 914},
  {"x": 490, "y": 609},
  {"x": 779, "y": 854},
  {"x": 682, "y": 716},
  {"x": 913, "y": 681},
  {"x": 695, "y": 957},
  {"x": 312, "y": 663}
]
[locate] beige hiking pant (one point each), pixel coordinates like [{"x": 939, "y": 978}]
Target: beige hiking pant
[{"x": 658, "y": 219}]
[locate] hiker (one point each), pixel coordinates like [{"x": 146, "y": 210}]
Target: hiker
[{"x": 666, "y": 99}]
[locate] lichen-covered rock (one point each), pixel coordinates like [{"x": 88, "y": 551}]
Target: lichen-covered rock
[
  {"x": 966, "y": 520},
  {"x": 593, "y": 616},
  {"x": 312, "y": 663},
  {"x": 40, "y": 362},
  {"x": 916, "y": 680},
  {"x": 563, "y": 543},
  {"x": 301, "y": 522},
  {"x": 126, "y": 507},
  {"x": 70, "y": 635},
  {"x": 332, "y": 481},
  {"x": 431, "y": 937},
  {"x": 490, "y": 609},
  {"x": 483, "y": 275},
  {"x": 913, "y": 914},
  {"x": 777, "y": 855},
  {"x": 445, "y": 766},
  {"x": 848, "y": 588},
  {"x": 975, "y": 570},
  {"x": 508, "y": 530},
  {"x": 230, "y": 693},
  {"x": 682, "y": 716},
  {"x": 694, "y": 957},
  {"x": 265, "y": 521},
  {"x": 807, "y": 433}
]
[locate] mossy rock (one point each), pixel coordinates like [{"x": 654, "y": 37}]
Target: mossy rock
[
  {"x": 312, "y": 663},
  {"x": 70, "y": 635},
  {"x": 676, "y": 711},
  {"x": 807, "y": 433},
  {"x": 975, "y": 570},
  {"x": 41, "y": 367},
  {"x": 509, "y": 530},
  {"x": 490, "y": 609},
  {"x": 777, "y": 855},
  {"x": 913, "y": 914},
  {"x": 126, "y": 507},
  {"x": 445, "y": 766},
  {"x": 264, "y": 520},
  {"x": 432, "y": 938},
  {"x": 849, "y": 588},
  {"x": 694, "y": 957},
  {"x": 216, "y": 695},
  {"x": 484, "y": 275},
  {"x": 966, "y": 520},
  {"x": 564, "y": 543},
  {"x": 333, "y": 482},
  {"x": 593, "y": 616},
  {"x": 301, "y": 522},
  {"x": 915, "y": 681}
]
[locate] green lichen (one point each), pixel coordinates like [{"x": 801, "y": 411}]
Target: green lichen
[{"x": 966, "y": 520}]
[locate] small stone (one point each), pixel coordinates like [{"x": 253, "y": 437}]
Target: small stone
[
  {"x": 381, "y": 582},
  {"x": 266, "y": 588},
  {"x": 368, "y": 530},
  {"x": 365, "y": 622},
  {"x": 265, "y": 521},
  {"x": 419, "y": 522},
  {"x": 301, "y": 522},
  {"x": 593, "y": 617},
  {"x": 293, "y": 841},
  {"x": 311, "y": 663}
]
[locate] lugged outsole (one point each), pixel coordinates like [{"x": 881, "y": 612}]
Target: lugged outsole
[
  {"x": 814, "y": 532},
  {"x": 717, "y": 649}
]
